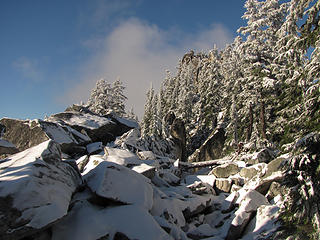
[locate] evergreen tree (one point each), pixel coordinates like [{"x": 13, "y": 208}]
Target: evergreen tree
[
  {"x": 101, "y": 98},
  {"x": 148, "y": 113},
  {"x": 118, "y": 98},
  {"x": 106, "y": 97}
]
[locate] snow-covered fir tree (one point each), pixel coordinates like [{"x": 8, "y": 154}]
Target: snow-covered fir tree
[
  {"x": 265, "y": 68},
  {"x": 118, "y": 103},
  {"x": 101, "y": 100},
  {"x": 148, "y": 117},
  {"x": 106, "y": 97}
]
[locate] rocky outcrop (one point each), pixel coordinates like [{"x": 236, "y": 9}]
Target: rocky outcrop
[
  {"x": 211, "y": 148},
  {"x": 99, "y": 128},
  {"x": 178, "y": 133},
  {"x": 72, "y": 130},
  {"x": 32, "y": 133},
  {"x": 38, "y": 131},
  {"x": 35, "y": 190},
  {"x": 120, "y": 222}
]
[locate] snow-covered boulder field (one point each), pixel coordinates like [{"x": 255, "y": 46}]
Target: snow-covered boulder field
[{"x": 114, "y": 191}]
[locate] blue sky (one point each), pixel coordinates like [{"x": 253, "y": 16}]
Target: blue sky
[{"x": 53, "y": 52}]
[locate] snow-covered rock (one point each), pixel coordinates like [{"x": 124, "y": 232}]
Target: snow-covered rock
[
  {"x": 117, "y": 183},
  {"x": 121, "y": 157},
  {"x": 249, "y": 203},
  {"x": 35, "y": 190},
  {"x": 178, "y": 204},
  {"x": 202, "y": 231},
  {"x": 146, "y": 170},
  {"x": 98, "y": 128},
  {"x": 264, "y": 224},
  {"x": 93, "y": 222},
  {"x": 147, "y": 155},
  {"x": 201, "y": 188}
]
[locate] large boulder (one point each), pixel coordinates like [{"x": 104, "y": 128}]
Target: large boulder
[
  {"x": 263, "y": 156},
  {"x": 99, "y": 128},
  {"x": 211, "y": 148},
  {"x": 252, "y": 171},
  {"x": 38, "y": 131},
  {"x": 249, "y": 203},
  {"x": 119, "y": 184},
  {"x": 225, "y": 170},
  {"x": 264, "y": 224},
  {"x": 36, "y": 187}
]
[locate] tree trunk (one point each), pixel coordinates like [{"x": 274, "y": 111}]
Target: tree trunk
[
  {"x": 249, "y": 129},
  {"x": 263, "y": 121}
]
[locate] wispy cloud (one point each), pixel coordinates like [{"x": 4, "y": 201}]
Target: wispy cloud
[
  {"x": 140, "y": 53},
  {"x": 103, "y": 14},
  {"x": 28, "y": 68}
]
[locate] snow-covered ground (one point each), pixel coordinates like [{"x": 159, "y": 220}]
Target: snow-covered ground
[{"x": 111, "y": 192}]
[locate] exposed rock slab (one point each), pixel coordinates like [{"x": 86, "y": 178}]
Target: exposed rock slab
[
  {"x": 7, "y": 147},
  {"x": 225, "y": 170},
  {"x": 252, "y": 171},
  {"x": 223, "y": 184},
  {"x": 35, "y": 190}
]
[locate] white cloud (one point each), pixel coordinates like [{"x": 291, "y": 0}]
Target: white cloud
[
  {"x": 28, "y": 68},
  {"x": 139, "y": 53}
]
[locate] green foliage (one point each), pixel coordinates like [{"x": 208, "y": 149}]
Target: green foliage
[{"x": 300, "y": 230}]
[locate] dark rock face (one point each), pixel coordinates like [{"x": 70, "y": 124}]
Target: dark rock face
[
  {"x": 2, "y": 130},
  {"x": 23, "y": 134},
  {"x": 211, "y": 148},
  {"x": 29, "y": 133},
  {"x": 7, "y": 147},
  {"x": 178, "y": 133}
]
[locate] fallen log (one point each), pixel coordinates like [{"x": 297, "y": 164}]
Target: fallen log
[{"x": 208, "y": 163}]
